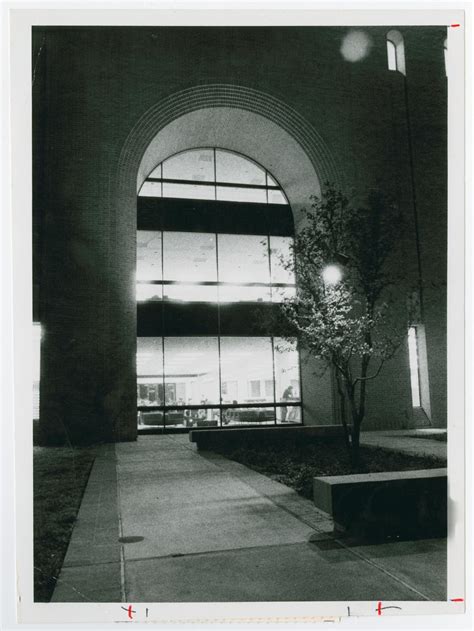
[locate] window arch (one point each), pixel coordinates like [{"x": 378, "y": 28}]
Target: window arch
[
  {"x": 213, "y": 174},
  {"x": 396, "y": 52}
]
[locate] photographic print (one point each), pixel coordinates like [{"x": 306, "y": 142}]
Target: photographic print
[{"x": 239, "y": 296}]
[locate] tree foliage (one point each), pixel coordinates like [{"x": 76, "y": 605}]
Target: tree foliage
[{"x": 349, "y": 323}]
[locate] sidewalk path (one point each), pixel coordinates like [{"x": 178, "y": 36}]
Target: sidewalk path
[
  {"x": 206, "y": 529},
  {"x": 409, "y": 442}
]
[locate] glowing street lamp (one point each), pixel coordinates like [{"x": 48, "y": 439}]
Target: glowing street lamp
[{"x": 332, "y": 275}]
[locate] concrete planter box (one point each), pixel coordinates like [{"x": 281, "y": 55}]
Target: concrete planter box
[
  {"x": 397, "y": 503},
  {"x": 268, "y": 435}
]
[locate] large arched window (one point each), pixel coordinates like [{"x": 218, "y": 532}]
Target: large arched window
[
  {"x": 396, "y": 52},
  {"x": 213, "y": 230}
]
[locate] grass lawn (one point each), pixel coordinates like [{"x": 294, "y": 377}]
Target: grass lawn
[
  {"x": 296, "y": 466},
  {"x": 60, "y": 477}
]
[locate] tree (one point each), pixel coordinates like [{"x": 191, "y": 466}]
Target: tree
[{"x": 342, "y": 310}]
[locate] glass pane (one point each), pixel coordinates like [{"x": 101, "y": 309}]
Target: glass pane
[
  {"x": 197, "y": 165},
  {"x": 287, "y": 372},
  {"x": 246, "y": 361},
  {"x": 156, "y": 173},
  {"x": 280, "y": 294},
  {"x": 236, "y": 293},
  {"x": 271, "y": 181},
  {"x": 245, "y": 416},
  {"x": 152, "y": 418},
  {"x": 276, "y": 197},
  {"x": 190, "y": 293},
  {"x": 281, "y": 254},
  {"x": 391, "y": 55},
  {"x": 231, "y": 194},
  {"x": 149, "y": 291},
  {"x": 414, "y": 369},
  {"x": 235, "y": 169},
  {"x": 150, "y": 371},
  {"x": 188, "y": 191},
  {"x": 195, "y": 417},
  {"x": 189, "y": 256},
  {"x": 179, "y": 418},
  {"x": 191, "y": 370},
  {"x": 288, "y": 414},
  {"x": 149, "y": 255},
  {"x": 243, "y": 259},
  {"x": 150, "y": 189}
]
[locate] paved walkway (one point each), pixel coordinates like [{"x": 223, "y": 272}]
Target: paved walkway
[
  {"x": 196, "y": 527},
  {"x": 407, "y": 441}
]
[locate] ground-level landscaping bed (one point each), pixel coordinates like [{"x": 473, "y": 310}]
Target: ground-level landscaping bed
[
  {"x": 296, "y": 466},
  {"x": 60, "y": 477},
  {"x": 439, "y": 437}
]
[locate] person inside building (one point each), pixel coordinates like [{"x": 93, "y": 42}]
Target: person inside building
[{"x": 287, "y": 396}]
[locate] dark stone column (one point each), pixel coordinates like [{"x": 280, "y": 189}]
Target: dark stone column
[
  {"x": 87, "y": 298},
  {"x": 88, "y": 390}
]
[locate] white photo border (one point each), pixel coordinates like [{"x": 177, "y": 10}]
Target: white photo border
[{"x": 21, "y": 19}]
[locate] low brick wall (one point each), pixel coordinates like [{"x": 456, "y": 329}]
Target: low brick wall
[
  {"x": 409, "y": 504},
  {"x": 241, "y": 436}
]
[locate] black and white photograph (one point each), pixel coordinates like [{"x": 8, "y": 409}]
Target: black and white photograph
[{"x": 239, "y": 315}]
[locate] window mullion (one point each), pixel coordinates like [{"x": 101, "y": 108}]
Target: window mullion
[
  {"x": 215, "y": 174},
  {"x": 218, "y": 326},
  {"x": 274, "y": 378}
]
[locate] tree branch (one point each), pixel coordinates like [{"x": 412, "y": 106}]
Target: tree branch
[{"x": 376, "y": 374}]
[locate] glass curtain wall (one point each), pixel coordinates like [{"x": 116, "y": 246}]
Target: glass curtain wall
[
  {"x": 204, "y": 267},
  {"x": 211, "y": 381},
  {"x": 218, "y": 379}
]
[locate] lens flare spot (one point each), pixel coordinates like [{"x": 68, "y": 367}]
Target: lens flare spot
[{"x": 356, "y": 46}]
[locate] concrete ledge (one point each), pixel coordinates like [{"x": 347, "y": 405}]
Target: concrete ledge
[
  {"x": 397, "y": 503},
  {"x": 209, "y": 439}
]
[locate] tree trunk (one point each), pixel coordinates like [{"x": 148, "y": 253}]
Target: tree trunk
[
  {"x": 342, "y": 399},
  {"x": 356, "y": 443},
  {"x": 356, "y": 422}
]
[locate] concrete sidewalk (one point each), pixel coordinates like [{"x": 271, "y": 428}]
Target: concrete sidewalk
[
  {"x": 196, "y": 527},
  {"x": 410, "y": 442}
]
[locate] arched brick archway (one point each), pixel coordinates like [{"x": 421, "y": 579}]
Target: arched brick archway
[
  {"x": 231, "y": 117},
  {"x": 229, "y": 97},
  {"x": 246, "y": 133}
]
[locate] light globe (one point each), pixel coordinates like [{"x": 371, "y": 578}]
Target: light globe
[{"x": 332, "y": 274}]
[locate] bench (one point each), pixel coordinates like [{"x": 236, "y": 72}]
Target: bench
[
  {"x": 263, "y": 435},
  {"x": 408, "y": 504}
]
